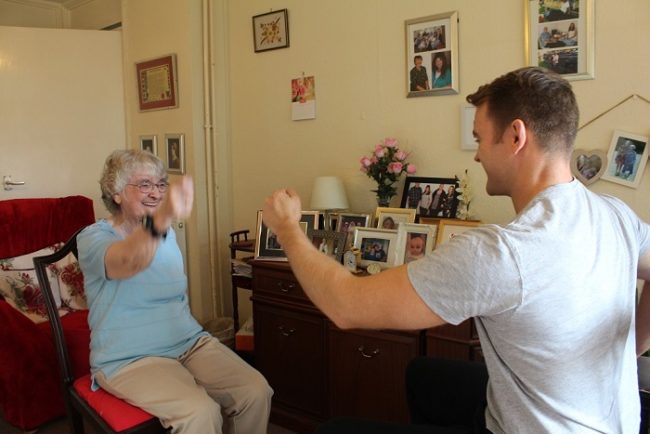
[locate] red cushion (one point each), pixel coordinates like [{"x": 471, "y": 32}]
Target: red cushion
[{"x": 119, "y": 414}]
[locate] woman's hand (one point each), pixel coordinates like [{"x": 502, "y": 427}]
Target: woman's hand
[{"x": 177, "y": 204}]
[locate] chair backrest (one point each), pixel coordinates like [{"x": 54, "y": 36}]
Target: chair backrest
[{"x": 40, "y": 266}]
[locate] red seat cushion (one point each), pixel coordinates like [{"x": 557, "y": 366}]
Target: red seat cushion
[{"x": 119, "y": 414}]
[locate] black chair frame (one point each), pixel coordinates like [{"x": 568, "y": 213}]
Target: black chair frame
[{"x": 76, "y": 407}]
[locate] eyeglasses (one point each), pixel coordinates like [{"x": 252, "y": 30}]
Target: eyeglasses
[{"x": 146, "y": 187}]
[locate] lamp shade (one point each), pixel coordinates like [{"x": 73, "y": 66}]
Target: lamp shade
[{"x": 328, "y": 194}]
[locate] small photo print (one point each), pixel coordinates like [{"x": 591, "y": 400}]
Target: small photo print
[
  {"x": 415, "y": 246},
  {"x": 375, "y": 249},
  {"x": 272, "y": 241}
]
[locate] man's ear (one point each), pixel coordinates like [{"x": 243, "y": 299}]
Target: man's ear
[{"x": 519, "y": 135}]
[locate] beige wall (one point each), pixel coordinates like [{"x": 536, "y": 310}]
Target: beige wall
[
  {"x": 154, "y": 28},
  {"x": 356, "y": 51}
]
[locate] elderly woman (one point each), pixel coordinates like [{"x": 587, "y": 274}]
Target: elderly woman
[{"x": 146, "y": 347}]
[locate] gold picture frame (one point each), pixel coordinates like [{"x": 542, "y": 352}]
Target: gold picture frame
[
  {"x": 396, "y": 216},
  {"x": 449, "y": 228}
]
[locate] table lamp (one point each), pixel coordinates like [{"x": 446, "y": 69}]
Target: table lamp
[{"x": 328, "y": 194}]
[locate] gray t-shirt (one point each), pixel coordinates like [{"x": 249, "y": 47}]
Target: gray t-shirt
[{"x": 553, "y": 296}]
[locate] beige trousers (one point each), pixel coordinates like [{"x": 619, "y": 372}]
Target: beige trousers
[{"x": 207, "y": 390}]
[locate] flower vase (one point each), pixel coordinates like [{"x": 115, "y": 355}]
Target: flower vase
[{"x": 383, "y": 200}]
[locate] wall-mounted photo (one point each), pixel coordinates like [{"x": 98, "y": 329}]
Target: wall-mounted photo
[
  {"x": 432, "y": 55},
  {"x": 389, "y": 218},
  {"x": 560, "y": 36},
  {"x": 271, "y": 30},
  {"x": 588, "y": 166},
  {"x": 157, "y": 83},
  {"x": 175, "y": 153},
  {"x": 149, "y": 144},
  {"x": 267, "y": 246},
  {"x": 627, "y": 157},
  {"x": 377, "y": 246},
  {"x": 415, "y": 241},
  {"x": 431, "y": 197}
]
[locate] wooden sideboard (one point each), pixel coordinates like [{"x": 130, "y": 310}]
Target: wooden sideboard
[{"x": 318, "y": 371}]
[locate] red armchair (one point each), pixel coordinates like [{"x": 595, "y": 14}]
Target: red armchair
[{"x": 30, "y": 388}]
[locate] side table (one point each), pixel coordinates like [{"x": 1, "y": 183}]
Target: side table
[{"x": 239, "y": 242}]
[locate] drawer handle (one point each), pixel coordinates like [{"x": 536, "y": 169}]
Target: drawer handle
[
  {"x": 288, "y": 288},
  {"x": 362, "y": 350},
  {"x": 285, "y": 332}
]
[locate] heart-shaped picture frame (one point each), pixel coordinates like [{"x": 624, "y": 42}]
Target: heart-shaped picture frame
[{"x": 588, "y": 166}]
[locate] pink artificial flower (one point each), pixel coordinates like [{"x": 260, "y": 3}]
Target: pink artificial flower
[
  {"x": 374, "y": 159},
  {"x": 410, "y": 169},
  {"x": 365, "y": 162},
  {"x": 390, "y": 142},
  {"x": 401, "y": 155},
  {"x": 363, "y": 169},
  {"x": 395, "y": 168},
  {"x": 379, "y": 151}
]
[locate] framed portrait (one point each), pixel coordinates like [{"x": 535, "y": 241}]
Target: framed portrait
[
  {"x": 271, "y": 30},
  {"x": 432, "y": 55},
  {"x": 448, "y": 229},
  {"x": 389, "y": 218},
  {"x": 627, "y": 157},
  {"x": 175, "y": 153},
  {"x": 560, "y": 36},
  {"x": 149, "y": 143},
  {"x": 378, "y": 246},
  {"x": 330, "y": 243},
  {"x": 347, "y": 222},
  {"x": 157, "y": 83},
  {"x": 415, "y": 241},
  {"x": 267, "y": 246},
  {"x": 467, "y": 140},
  {"x": 588, "y": 166},
  {"x": 431, "y": 197}
]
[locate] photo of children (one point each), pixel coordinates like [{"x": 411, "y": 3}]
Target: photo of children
[
  {"x": 375, "y": 249},
  {"x": 415, "y": 247}
]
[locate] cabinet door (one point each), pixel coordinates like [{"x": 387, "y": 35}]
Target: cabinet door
[
  {"x": 290, "y": 353},
  {"x": 367, "y": 372}
]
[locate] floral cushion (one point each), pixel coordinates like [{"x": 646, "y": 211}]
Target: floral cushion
[{"x": 19, "y": 284}]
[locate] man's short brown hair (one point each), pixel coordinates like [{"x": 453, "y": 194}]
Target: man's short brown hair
[{"x": 542, "y": 99}]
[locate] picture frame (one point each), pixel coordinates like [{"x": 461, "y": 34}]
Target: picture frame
[
  {"x": 157, "y": 83},
  {"x": 588, "y": 166},
  {"x": 266, "y": 246},
  {"x": 467, "y": 140},
  {"x": 175, "y": 153},
  {"x": 560, "y": 36},
  {"x": 149, "y": 143},
  {"x": 271, "y": 30},
  {"x": 377, "y": 246},
  {"x": 415, "y": 241},
  {"x": 347, "y": 222},
  {"x": 627, "y": 157},
  {"x": 331, "y": 243},
  {"x": 439, "y": 205},
  {"x": 389, "y": 218},
  {"x": 448, "y": 229},
  {"x": 432, "y": 45}
]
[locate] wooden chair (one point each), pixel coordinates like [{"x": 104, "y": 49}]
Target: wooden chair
[
  {"x": 105, "y": 412},
  {"x": 239, "y": 242}
]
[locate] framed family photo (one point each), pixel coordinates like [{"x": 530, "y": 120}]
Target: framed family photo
[
  {"x": 389, "y": 218},
  {"x": 271, "y": 30},
  {"x": 560, "y": 36},
  {"x": 432, "y": 55},
  {"x": 175, "y": 153},
  {"x": 267, "y": 246},
  {"x": 149, "y": 143},
  {"x": 415, "y": 241},
  {"x": 431, "y": 197},
  {"x": 377, "y": 246},
  {"x": 331, "y": 243},
  {"x": 157, "y": 83},
  {"x": 627, "y": 158}
]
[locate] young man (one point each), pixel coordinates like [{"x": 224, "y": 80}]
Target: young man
[{"x": 552, "y": 292}]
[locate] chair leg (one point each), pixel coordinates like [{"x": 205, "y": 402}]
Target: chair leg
[{"x": 76, "y": 422}]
